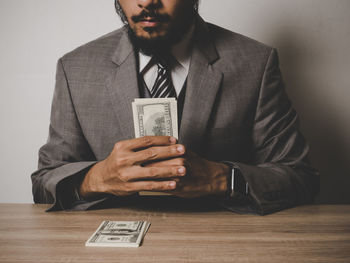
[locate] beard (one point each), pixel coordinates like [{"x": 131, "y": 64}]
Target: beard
[{"x": 159, "y": 44}]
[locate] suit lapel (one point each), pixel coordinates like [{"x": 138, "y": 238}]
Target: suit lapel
[
  {"x": 122, "y": 86},
  {"x": 202, "y": 86}
]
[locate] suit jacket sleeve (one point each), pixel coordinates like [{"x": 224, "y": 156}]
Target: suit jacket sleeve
[
  {"x": 66, "y": 156},
  {"x": 280, "y": 176}
]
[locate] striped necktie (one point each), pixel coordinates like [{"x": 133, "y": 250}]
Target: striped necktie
[{"x": 163, "y": 86}]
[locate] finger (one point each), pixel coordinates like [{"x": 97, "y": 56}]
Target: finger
[
  {"x": 146, "y": 141},
  {"x": 151, "y": 173},
  {"x": 170, "y": 162},
  {"x": 157, "y": 153},
  {"x": 152, "y": 186}
]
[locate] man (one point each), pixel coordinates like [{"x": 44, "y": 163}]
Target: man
[{"x": 238, "y": 143}]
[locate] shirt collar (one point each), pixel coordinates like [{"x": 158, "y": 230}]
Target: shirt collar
[
  {"x": 143, "y": 61},
  {"x": 181, "y": 52}
]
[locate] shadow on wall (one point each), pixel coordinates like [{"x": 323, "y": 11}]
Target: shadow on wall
[{"x": 304, "y": 68}]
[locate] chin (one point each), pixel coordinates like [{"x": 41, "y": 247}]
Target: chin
[
  {"x": 151, "y": 33},
  {"x": 148, "y": 43},
  {"x": 150, "y": 37}
]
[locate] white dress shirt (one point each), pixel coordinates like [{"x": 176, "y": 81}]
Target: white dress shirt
[{"x": 182, "y": 54}]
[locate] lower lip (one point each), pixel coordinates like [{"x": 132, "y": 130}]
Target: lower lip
[{"x": 150, "y": 23}]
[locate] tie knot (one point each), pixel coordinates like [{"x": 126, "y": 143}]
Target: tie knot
[
  {"x": 164, "y": 61},
  {"x": 161, "y": 66}
]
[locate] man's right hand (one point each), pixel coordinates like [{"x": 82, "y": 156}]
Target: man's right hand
[{"x": 122, "y": 172}]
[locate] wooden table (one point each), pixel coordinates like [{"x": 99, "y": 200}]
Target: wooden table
[{"x": 301, "y": 234}]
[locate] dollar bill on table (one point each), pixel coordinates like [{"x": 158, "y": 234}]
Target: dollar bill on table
[
  {"x": 155, "y": 117},
  {"x": 119, "y": 234}
]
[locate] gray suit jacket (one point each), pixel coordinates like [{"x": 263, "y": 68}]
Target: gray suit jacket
[{"x": 235, "y": 109}]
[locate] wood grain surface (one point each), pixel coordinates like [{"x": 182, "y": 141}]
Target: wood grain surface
[{"x": 301, "y": 234}]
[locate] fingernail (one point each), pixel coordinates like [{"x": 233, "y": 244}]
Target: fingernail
[
  {"x": 180, "y": 149},
  {"x": 172, "y": 140},
  {"x": 181, "y": 170},
  {"x": 172, "y": 184}
]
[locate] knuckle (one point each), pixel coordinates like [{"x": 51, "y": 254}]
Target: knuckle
[
  {"x": 174, "y": 171},
  {"x": 146, "y": 140},
  {"x": 118, "y": 146},
  {"x": 127, "y": 188},
  {"x": 150, "y": 153},
  {"x": 123, "y": 177},
  {"x": 151, "y": 186},
  {"x": 172, "y": 150},
  {"x": 121, "y": 161},
  {"x": 152, "y": 172},
  {"x": 164, "y": 186}
]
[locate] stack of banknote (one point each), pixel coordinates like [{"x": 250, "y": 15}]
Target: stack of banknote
[
  {"x": 119, "y": 234},
  {"x": 155, "y": 117}
]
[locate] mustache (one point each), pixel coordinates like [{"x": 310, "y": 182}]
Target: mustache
[{"x": 150, "y": 14}]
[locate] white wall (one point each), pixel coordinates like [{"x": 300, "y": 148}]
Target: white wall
[{"x": 312, "y": 36}]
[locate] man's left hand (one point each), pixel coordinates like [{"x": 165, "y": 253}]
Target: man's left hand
[{"x": 203, "y": 177}]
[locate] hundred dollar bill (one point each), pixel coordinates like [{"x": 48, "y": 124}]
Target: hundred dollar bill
[
  {"x": 119, "y": 234},
  {"x": 155, "y": 117}
]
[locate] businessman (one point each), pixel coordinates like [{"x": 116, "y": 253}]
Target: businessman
[{"x": 238, "y": 133}]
